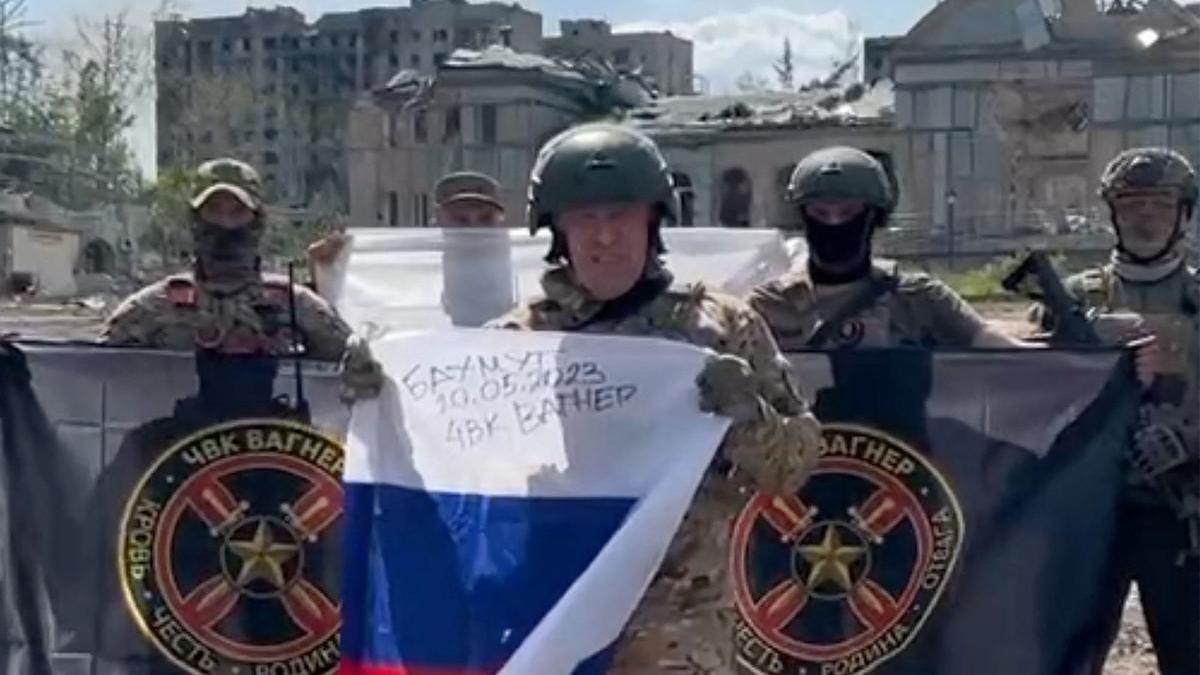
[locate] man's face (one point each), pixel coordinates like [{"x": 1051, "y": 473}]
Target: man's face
[
  {"x": 466, "y": 213},
  {"x": 1146, "y": 220},
  {"x": 607, "y": 244},
  {"x": 226, "y": 211}
]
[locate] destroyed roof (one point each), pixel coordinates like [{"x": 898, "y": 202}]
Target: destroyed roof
[
  {"x": 604, "y": 82},
  {"x": 31, "y": 209},
  {"x": 837, "y": 106},
  {"x": 507, "y": 59}
]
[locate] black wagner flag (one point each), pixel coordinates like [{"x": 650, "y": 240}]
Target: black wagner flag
[
  {"x": 957, "y": 522},
  {"x": 163, "y": 514}
]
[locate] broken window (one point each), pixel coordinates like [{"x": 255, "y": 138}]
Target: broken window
[
  {"x": 453, "y": 123},
  {"x": 1146, "y": 97},
  {"x": 420, "y": 132},
  {"x": 1185, "y": 95},
  {"x": 785, "y": 216},
  {"x": 487, "y": 123},
  {"x": 737, "y": 196},
  {"x": 687, "y": 198}
]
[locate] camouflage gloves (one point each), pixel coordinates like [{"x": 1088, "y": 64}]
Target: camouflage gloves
[
  {"x": 362, "y": 376},
  {"x": 728, "y": 387}
]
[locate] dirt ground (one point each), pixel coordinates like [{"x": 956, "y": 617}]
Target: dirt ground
[{"x": 1131, "y": 654}]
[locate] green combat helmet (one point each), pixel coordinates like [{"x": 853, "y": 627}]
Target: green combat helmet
[
  {"x": 228, "y": 175},
  {"x": 598, "y": 163},
  {"x": 843, "y": 173},
  {"x": 1148, "y": 168}
]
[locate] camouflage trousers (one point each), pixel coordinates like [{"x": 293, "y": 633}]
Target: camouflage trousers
[{"x": 669, "y": 637}]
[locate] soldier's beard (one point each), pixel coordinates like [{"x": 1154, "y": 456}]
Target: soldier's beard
[
  {"x": 225, "y": 256},
  {"x": 1144, "y": 242}
]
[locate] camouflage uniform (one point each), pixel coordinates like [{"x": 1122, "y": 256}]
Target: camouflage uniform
[
  {"x": 916, "y": 310},
  {"x": 1152, "y": 542},
  {"x": 912, "y": 309},
  {"x": 179, "y": 313},
  {"x": 239, "y": 312},
  {"x": 684, "y": 623}
]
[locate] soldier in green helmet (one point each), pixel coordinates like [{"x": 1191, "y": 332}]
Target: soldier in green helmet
[
  {"x": 1152, "y": 194},
  {"x": 226, "y": 304},
  {"x": 604, "y": 192},
  {"x": 843, "y": 296}
]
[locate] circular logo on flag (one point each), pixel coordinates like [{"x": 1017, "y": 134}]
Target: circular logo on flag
[
  {"x": 227, "y": 550},
  {"x": 840, "y": 577}
]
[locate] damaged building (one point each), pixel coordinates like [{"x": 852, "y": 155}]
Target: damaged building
[
  {"x": 997, "y": 117},
  {"x": 486, "y": 111},
  {"x": 286, "y": 86},
  {"x": 732, "y": 155},
  {"x": 1006, "y": 111}
]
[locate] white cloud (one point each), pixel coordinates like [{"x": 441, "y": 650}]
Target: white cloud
[{"x": 730, "y": 43}]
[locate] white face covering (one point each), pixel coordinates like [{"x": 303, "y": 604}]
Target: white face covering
[{"x": 478, "y": 279}]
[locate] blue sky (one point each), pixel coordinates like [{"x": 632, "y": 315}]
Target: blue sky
[{"x": 730, "y": 36}]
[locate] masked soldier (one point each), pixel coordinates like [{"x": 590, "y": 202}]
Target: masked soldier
[
  {"x": 842, "y": 296},
  {"x": 604, "y": 192},
  {"x": 226, "y": 303},
  {"x": 1151, "y": 193}
]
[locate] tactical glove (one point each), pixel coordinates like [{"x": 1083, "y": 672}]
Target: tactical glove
[
  {"x": 361, "y": 375},
  {"x": 728, "y": 387}
]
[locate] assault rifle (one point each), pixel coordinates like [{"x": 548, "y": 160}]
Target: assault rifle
[
  {"x": 1159, "y": 454},
  {"x": 1035, "y": 278}
]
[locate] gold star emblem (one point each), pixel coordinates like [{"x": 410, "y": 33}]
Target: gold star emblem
[
  {"x": 262, "y": 558},
  {"x": 830, "y": 560}
]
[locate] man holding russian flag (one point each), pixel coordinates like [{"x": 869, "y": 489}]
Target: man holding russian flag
[
  {"x": 604, "y": 192},
  {"x": 496, "y": 583}
]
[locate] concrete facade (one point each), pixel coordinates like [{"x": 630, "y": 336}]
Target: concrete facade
[
  {"x": 286, "y": 86},
  {"x": 1006, "y": 115},
  {"x": 665, "y": 59},
  {"x": 489, "y": 114},
  {"x": 733, "y": 155},
  {"x": 997, "y": 117}
]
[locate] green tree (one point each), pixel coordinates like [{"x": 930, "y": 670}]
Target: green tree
[{"x": 169, "y": 232}]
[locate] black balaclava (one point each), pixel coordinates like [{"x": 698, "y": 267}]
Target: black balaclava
[
  {"x": 226, "y": 257},
  {"x": 839, "y": 253}
]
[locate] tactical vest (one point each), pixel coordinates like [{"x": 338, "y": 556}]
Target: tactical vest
[
  {"x": 224, "y": 332},
  {"x": 896, "y": 312},
  {"x": 1169, "y": 308}
]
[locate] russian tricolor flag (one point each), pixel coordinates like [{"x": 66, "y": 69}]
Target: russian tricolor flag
[{"x": 510, "y": 497}]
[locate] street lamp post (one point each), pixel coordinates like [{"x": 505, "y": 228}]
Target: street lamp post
[{"x": 951, "y": 200}]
